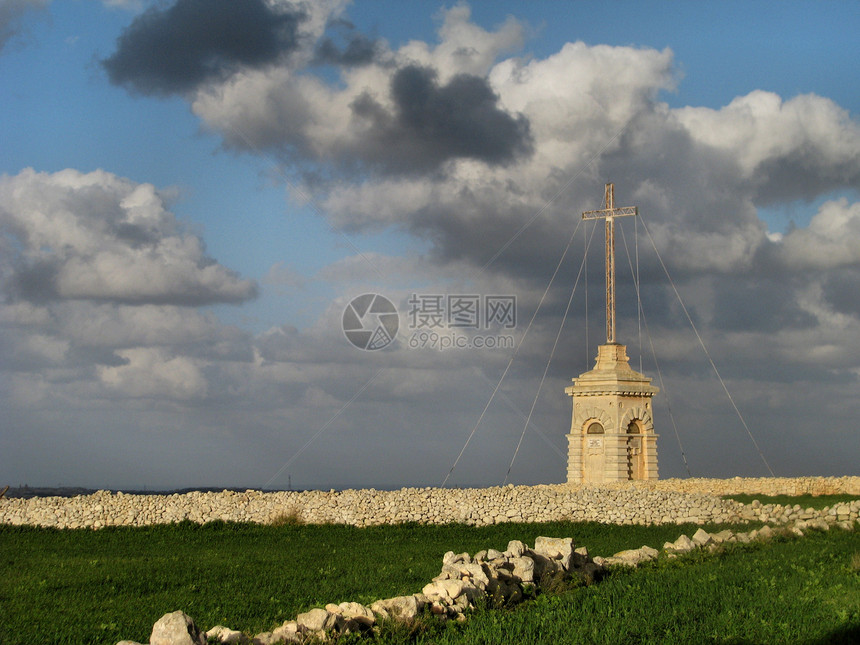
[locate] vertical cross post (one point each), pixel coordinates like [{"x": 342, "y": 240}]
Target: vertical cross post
[{"x": 609, "y": 214}]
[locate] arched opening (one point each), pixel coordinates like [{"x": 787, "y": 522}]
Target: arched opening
[
  {"x": 635, "y": 453},
  {"x": 594, "y": 428},
  {"x": 593, "y": 452}
]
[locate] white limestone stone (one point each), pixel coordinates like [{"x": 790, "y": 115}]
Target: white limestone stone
[
  {"x": 176, "y": 628},
  {"x": 226, "y": 636}
]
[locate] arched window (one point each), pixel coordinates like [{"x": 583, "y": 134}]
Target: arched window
[
  {"x": 594, "y": 428},
  {"x": 633, "y": 428}
]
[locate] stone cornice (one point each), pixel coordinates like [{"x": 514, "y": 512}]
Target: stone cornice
[{"x": 579, "y": 391}]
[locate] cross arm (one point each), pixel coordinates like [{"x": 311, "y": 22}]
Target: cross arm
[{"x": 611, "y": 212}]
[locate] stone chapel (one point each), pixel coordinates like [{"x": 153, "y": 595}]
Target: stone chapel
[{"x": 612, "y": 430}]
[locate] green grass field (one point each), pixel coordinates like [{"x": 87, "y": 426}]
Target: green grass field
[
  {"x": 83, "y": 586},
  {"x": 804, "y": 501}
]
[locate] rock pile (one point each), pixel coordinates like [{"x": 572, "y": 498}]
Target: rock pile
[
  {"x": 702, "y": 539},
  {"x": 632, "y": 503},
  {"x": 498, "y": 577},
  {"x": 761, "y": 485}
]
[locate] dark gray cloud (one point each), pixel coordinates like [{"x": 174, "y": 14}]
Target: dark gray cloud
[
  {"x": 804, "y": 173},
  {"x": 173, "y": 50},
  {"x": 348, "y": 47},
  {"x": 776, "y": 313},
  {"x": 762, "y": 306},
  {"x": 13, "y": 14},
  {"x": 32, "y": 281},
  {"x": 840, "y": 289},
  {"x": 434, "y": 123},
  {"x": 359, "y": 50}
]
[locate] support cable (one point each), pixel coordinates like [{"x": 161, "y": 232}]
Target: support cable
[
  {"x": 586, "y": 244},
  {"x": 546, "y": 369},
  {"x": 663, "y": 388},
  {"x": 513, "y": 356},
  {"x": 540, "y": 432},
  {"x": 322, "y": 429},
  {"x": 707, "y": 353},
  {"x": 666, "y": 396},
  {"x": 638, "y": 283},
  {"x": 552, "y": 199}
]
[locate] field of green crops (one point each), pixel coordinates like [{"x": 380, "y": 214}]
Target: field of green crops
[
  {"x": 804, "y": 501},
  {"x": 80, "y": 587}
]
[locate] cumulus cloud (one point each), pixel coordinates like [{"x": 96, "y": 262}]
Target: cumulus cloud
[
  {"x": 488, "y": 156},
  {"x": 840, "y": 289},
  {"x": 408, "y": 110},
  {"x": 101, "y": 290},
  {"x": 760, "y": 305},
  {"x": 95, "y": 236},
  {"x": 175, "y": 49},
  {"x": 490, "y": 141},
  {"x": 431, "y": 124},
  {"x": 469, "y": 149},
  {"x": 831, "y": 240},
  {"x": 358, "y": 50},
  {"x": 347, "y": 47},
  {"x": 12, "y": 15},
  {"x": 149, "y": 373},
  {"x": 787, "y": 149},
  {"x": 464, "y": 47}
]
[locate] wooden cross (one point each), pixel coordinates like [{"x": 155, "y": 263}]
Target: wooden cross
[{"x": 609, "y": 214}]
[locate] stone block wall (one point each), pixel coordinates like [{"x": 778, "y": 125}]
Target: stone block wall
[
  {"x": 762, "y": 485},
  {"x": 639, "y": 502}
]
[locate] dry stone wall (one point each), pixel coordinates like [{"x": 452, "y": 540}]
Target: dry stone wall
[
  {"x": 761, "y": 485},
  {"x": 489, "y": 577},
  {"x": 661, "y": 502}
]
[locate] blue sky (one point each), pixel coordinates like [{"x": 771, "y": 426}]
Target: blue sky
[{"x": 722, "y": 121}]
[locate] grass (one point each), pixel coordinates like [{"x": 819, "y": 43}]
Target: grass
[
  {"x": 290, "y": 517},
  {"x": 804, "y": 501},
  {"x": 99, "y": 587},
  {"x": 107, "y": 585},
  {"x": 798, "y": 591}
]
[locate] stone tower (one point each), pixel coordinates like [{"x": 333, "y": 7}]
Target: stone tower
[{"x": 612, "y": 432}]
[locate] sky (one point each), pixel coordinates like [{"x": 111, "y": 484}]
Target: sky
[{"x": 196, "y": 194}]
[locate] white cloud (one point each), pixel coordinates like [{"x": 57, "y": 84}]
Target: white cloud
[
  {"x": 301, "y": 117},
  {"x": 464, "y": 47},
  {"x": 151, "y": 373},
  {"x": 786, "y": 148},
  {"x": 138, "y": 326},
  {"x": 102, "y": 281},
  {"x": 583, "y": 92},
  {"x": 593, "y": 112},
  {"x": 831, "y": 240},
  {"x": 96, "y": 236}
]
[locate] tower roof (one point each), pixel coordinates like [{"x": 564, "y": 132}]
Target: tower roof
[{"x": 612, "y": 374}]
